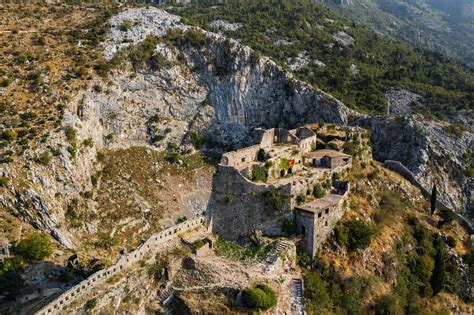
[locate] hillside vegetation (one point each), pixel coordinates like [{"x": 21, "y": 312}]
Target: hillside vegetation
[
  {"x": 388, "y": 255},
  {"x": 444, "y": 26},
  {"x": 351, "y": 62}
]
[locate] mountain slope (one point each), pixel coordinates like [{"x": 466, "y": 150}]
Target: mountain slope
[
  {"x": 351, "y": 62},
  {"x": 443, "y": 26}
]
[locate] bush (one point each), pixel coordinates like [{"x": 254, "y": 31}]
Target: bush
[
  {"x": 447, "y": 216},
  {"x": 91, "y": 304},
  {"x": 316, "y": 293},
  {"x": 259, "y": 173},
  {"x": 126, "y": 25},
  {"x": 8, "y": 135},
  {"x": 4, "y": 181},
  {"x": 289, "y": 226},
  {"x": 354, "y": 234},
  {"x": 11, "y": 280},
  {"x": 388, "y": 304},
  {"x": 319, "y": 191},
  {"x": 44, "y": 158},
  {"x": 300, "y": 199},
  {"x": 451, "y": 242},
  {"x": 196, "y": 139},
  {"x": 35, "y": 247},
  {"x": 274, "y": 199},
  {"x": 261, "y": 297}
]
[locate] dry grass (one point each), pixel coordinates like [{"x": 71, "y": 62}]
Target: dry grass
[
  {"x": 138, "y": 188},
  {"x": 47, "y": 53}
]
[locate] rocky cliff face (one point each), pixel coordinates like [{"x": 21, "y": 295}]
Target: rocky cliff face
[
  {"x": 429, "y": 151},
  {"x": 220, "y": 89}
]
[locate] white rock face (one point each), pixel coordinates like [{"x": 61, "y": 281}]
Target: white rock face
[
  {"x": 144, "y": 22},
  {"x": 226, "y": 25},
  {"x": 399, "y": 101},
  {"x": 343, "y": 38},
  {"x": 301, "y": 61}
]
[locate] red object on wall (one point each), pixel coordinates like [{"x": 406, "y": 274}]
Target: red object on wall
[{"x": 291, "y": 162}]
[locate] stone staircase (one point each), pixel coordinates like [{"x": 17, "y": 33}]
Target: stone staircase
[
  {"x": 165, "y": 295},
  {"x": 297, "y": 305},
  {"x": 277, "y": 250}
]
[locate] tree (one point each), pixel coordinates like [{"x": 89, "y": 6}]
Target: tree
[
  {"x": 424, "y": 271},
  {"x": 35, "y": 247},
  {"x": 261, "y": 297},
  {"x": 433, "y": 199},
  {"x": 11, "y": 281},
  {"x": 447, "y": 216},
  {"x": 316, "y": 293},
  {"x": 439, "y": 278}
]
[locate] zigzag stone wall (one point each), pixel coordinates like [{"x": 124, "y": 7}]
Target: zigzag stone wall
[{"x": 57, "y": 306}]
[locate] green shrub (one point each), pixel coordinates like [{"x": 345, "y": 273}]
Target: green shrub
[
  {"x": 91, "y": 304},
  {"x": 300, "y": 199},
  {"x": 354, "y": 234},
  {"x": 259, "y": 173},
  {"x": 289, "y": 226},
  {"x": 198, "y": 244},
  {"x": 44, "y": 158},
  {"x": 5, "y": 82},
  {"x": 389, "y": 304},
  {"x": 4, "y": 181},
  {"x": 126, "y": 25},
  {"x": 447, "y": 216},
  {"x": 316, "y": 293},
  {"x": 35, "y": 247},
  {"x": 451, "y": 241},
  {"x": 196, "y": 139},
  {"x": 234, "y": 251},
  {"x": 173, "y": 157},
  {"x": 8, "y": 135},
  {"x": 11, "y": 280},
  {"x": 275, "y": 199},
  {"x": 157, "y": 138},
  {"x": 168, "y": 130},
  {"x": 229, "y": 199},
  {"x": 261, "y": 297},
  {"x": 319, "y": 191},
  {"x": 88, "y": 143}
]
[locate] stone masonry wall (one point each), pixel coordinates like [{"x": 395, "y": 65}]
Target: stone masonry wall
[
  {"x": 57, "y": 305},
  {"x": 238, "y": 204}
]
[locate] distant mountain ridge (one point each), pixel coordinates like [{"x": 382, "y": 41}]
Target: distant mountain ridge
[{"x": 443, "y": 26}]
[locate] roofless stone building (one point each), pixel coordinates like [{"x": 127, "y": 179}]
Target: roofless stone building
[{"x": 257, "y": 186}]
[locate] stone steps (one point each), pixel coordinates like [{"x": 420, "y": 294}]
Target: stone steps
[
  {"x": 277, "y": 250},
  {"x": 297, "y": 305}
]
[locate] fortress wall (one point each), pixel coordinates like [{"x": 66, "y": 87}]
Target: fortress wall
[
  {"x": 240, "y": 157},
  {"x": 57, "y": 305},
  {"x": 241, "y": 206}
]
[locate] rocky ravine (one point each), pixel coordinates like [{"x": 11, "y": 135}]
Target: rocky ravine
[{"x": 221, "y": 89}]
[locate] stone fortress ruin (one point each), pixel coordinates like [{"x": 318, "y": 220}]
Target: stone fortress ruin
[{"x": 259, "y": 186}]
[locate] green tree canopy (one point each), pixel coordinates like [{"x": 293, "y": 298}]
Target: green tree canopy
[{"x": 35, "y": 247}]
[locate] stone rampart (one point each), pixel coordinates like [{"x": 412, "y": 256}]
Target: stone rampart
[
  {"x": 240, "y": 203},
  {"x": 58, "y": 304},
  {"x": 240, "y": 157}
]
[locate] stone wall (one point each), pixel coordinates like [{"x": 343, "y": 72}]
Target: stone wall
[
  {"x": 57, "y": 306},
  {"x": 240, "y": 157},
  {"x": 238, "y": 205}
]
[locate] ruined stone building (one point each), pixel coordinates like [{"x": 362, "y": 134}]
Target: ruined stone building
[
  {"x": 316, "y": 219},
  {"x": 257, "y": 186}
]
